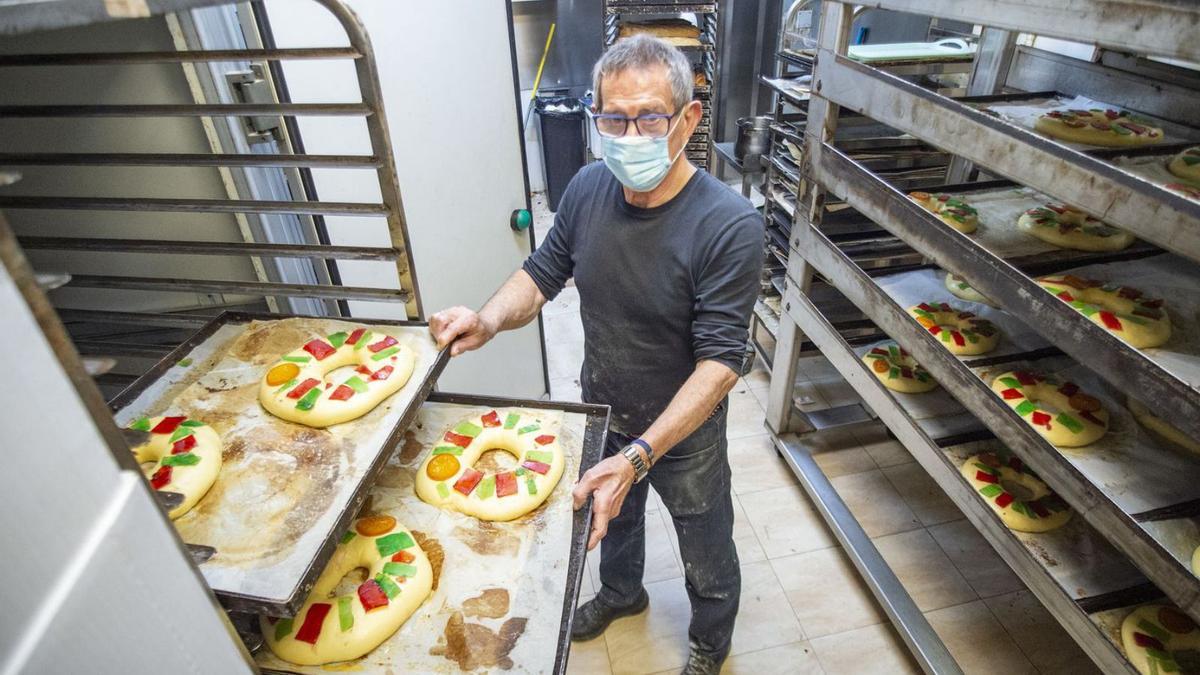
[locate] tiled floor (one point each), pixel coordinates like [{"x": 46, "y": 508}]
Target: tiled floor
[{"x": 804, "y": 608}]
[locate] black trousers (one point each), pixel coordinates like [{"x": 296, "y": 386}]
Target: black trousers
[{"x": 693, "y": 482}]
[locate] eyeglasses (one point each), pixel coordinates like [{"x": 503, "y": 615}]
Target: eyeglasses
[{"x": 651, "y": 125}]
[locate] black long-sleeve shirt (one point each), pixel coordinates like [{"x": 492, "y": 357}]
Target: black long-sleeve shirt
[{"x": 660, "y": 289}]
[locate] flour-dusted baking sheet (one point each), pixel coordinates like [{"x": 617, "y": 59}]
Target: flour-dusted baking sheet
[
  {"x": 1026, "y": 112},
  {"x": 504, "y": 592},
  {"x": 285, "y": 490},
  {"x": 1177, "y": 281},
  {"x": 1127, "y": 465}
]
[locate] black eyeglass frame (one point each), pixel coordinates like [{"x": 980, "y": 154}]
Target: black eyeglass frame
[{"x": 637, "y": 119}]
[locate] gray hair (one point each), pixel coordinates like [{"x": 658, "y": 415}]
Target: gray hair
[{"x": 646, "y": 51}]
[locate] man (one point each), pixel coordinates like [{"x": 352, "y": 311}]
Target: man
[{"x": 666, "y": 260}]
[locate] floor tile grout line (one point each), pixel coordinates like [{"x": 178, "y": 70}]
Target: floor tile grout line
[{"x": 1014, "y": 637}]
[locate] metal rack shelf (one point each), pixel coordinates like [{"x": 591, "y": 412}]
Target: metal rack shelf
[{"x": 1145, "y": 524}]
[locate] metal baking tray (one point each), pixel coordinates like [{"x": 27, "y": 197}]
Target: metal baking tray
[
  {"x": 275, "y": 578},
  {"x": 393, "y": 494}
]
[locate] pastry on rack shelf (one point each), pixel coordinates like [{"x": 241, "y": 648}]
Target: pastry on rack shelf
[
  {"x": 679, "y": 32},
  {"x": 327, "y": 628},
  {"x": 1185, "y": 190},
  {"x": 1161, "y": 430},
  {"x": 1023, "y": 502},
  {"x": 1186, "y": 165},
  {"x": 1159, "y": 639},
  {"x": 897, "y": 369},
  {"x": 699, "y": 79},
  {"x": 1068, "y": 227},
  {"x": 961, "y": 289},
  {"x": 186, "y": 456},
  {"x": 1125, "y": 312},
  {"x": 448, "y": 477},
  {"x": 1107, "y": 128},
  {"x": 368, "y": 367},
  {"x": 953, "y": 211},
  {"x": 1060, "y": 412},
  {"x": 963, "y": 333}
]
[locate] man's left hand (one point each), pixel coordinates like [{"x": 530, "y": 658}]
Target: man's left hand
[{"x": 609, "y": 481}]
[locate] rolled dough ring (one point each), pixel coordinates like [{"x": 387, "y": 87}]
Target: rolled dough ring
[
  {"x": 297, "y": 387},
  {"x": 1155, "y": 636},
  {"x": 1105, "y": 128},
  {"x": 1125, "y": 312},
  {"x": 991, "y": 477},
  {"x": 950, "y": 209},
  {"x": 447, "y": 478},
  {"x": 898, "y": 370},
  {"x": 1160, "y": 430},
  {"x": 1186, "y": 165},
  {"x": 1067, "y": 227},
  {"x": 963, "y": 333},
  {"x": 328, "y": 629},
  {"x": 1060, "y": 412},
  {"x": 961, "y": 289},
  {"x": 186, "y": 455}
]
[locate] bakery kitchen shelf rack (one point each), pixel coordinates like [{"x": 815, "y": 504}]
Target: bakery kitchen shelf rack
[
  {"x": 283, "y": 243},
  {"x": 1150, "y": 540},
  {"x": 705, "y": 57}
]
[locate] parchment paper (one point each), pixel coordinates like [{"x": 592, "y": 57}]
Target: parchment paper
[
  {"x": 499, "y": 587},
  {"x": 1081, "y": 561},
  {"x": 1127, "y": 465},
  {"x": 1151, "y": 167},
  {"x": 1025, "y": 113},
  {"x": 282, "y": 486},
  {"x": 1177, "y": 280}
]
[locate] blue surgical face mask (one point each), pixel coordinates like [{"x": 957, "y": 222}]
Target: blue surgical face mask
[{"x": 639, "y": 162}]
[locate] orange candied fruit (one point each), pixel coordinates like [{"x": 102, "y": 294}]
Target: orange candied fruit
[
  {"x": 373, "y": 526},
  {"x": 442, "y": 467},
  {"x": 282, "y": 373}
]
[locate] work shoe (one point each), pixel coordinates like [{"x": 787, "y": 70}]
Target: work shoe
[
  {"x": 701, "y": 663},
  {"x": 593, "y": 617}
]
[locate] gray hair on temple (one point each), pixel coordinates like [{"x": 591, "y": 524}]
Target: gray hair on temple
[{"x": 646, "y": 51}]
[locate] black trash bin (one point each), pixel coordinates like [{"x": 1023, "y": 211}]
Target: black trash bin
[{"x": 564, "y": 142}]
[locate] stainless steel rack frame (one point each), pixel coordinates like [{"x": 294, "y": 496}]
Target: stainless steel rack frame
[
  {"x": 379, "y": 161},
  {"x": 843, "y": 88}
]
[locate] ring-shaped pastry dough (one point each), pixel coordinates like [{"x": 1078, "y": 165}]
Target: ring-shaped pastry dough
[
  {"x": 447, "y": 478},
  {"x": 953, "y": 211},
  {"x": 898, "y": 370},
  {"x": 1186, "y": 165},
  {"x": 1123, "y": 311},
  {"x": 295, "y": 387},
  {"x": 963, "y": 333},
  {"x": 1160, "y": 430},
  {"x": 1105, "y": 128},
  {"x": 962, "y": 290},
  {"x": 1196, "y": 561},
  {"x": 186, "y": 455},
  {"x": 328, "y": 629},
  {"x": 992, "y": 477},
  {"x": 1154, "y": 636},
  {"x": 1059, "y": 411},
  {"x": 1188, "y": 191},
  {"x": 1068, "y": 227}
]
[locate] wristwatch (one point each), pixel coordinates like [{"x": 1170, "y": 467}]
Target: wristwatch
[{"x": 640, "y": 466}]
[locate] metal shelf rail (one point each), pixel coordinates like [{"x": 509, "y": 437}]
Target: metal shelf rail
[
  {"x": 1003, "y": 149},
  {"x": 379, "y": 161}
]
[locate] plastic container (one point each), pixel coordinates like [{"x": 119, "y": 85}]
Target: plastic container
[{"x": 563, "y": 124}]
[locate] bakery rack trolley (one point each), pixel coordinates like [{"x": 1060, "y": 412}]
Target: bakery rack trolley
[
  {"x": 1103, "y": 183},
  {"x": 705, "y": 55},
  {"x": 905, "y": 160},
  {"x": 276, "y": 234}
]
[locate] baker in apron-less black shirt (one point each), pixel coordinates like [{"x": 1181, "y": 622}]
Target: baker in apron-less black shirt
[{"x": 666, "y": 259}]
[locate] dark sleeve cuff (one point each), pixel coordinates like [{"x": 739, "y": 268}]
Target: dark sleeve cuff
[{"x": 546, "y": 281}]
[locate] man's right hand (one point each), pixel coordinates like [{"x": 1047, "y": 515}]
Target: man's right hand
[{"x": 461, "y": 328}]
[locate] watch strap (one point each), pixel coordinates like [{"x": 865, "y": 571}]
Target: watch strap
[
  {"x": 646, "y": 447},
  {"x": 640, "y": 466}
]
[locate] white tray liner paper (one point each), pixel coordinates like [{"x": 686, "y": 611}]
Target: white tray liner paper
[
  {"x": 1083, "y": 563},
  {"x": 528, "y": 557},
  {"x": 189, "y": 390},
  {"x": 1026, "y": 114}
]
